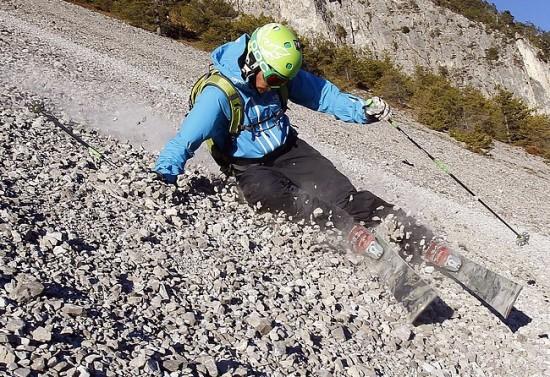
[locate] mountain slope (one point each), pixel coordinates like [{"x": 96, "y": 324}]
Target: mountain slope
[{"x": 133, "y": 85}]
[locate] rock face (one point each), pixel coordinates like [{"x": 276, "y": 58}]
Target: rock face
[{"x": 417, "y": 32}]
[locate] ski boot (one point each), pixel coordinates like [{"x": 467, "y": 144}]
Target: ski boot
[
  {"x": 363, "y": 241},
  {"x": 439, "y": 254}
]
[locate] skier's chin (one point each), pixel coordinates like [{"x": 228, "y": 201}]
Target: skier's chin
[{"x": 263, "y": 90}]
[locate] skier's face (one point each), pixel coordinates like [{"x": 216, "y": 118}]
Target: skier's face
[{"x": 261, "y": 84}]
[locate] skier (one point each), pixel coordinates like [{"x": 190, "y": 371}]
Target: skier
[{"x": 272, "y": 165}]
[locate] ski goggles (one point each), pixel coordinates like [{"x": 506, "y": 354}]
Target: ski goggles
[{"x": 274, "y": 79}]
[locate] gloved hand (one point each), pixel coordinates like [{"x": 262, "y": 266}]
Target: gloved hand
[
  {"x": 377, "y": 109},
  {"x": 166, "y": 178}
]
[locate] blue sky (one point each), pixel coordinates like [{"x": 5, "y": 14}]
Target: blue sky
[{"x": 535, "y": 11}]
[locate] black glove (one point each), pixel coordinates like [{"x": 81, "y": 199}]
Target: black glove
[{"x": 166, "y": 178}]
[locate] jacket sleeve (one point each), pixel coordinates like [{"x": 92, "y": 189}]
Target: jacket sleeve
[
  {"x": 208, "y": 119},
  {"x": 319, "y": 94}
]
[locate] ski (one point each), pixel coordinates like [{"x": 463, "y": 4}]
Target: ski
[
  {"x": 491, "y": 288},
  {"x": 408, "y": 288}
]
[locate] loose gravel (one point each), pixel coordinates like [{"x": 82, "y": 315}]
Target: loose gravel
[{"x": 106, "y": 271}]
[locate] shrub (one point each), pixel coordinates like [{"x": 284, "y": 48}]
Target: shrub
[
  {"x": 514, "y": 113},
  {"x": 443, "y": 71},
  {"x": 475, "y": 141},
  {"x": 139, "y": 13},
  {"x": 491, "y": 54},
  {"x": 341, "y": 33},
  {"x": 343, "y": 68},
  {"x": 535, "y": 135},
  {"x": 370, "y": 71},
  {"x": 436, "y": 103},
  {"x": 394, "y": 86},
  {"x": 103, "y": 5},
  {"x": 246, "y": 24},
  {"x": 209, "y": 19},
  {"x": 318, "y": 53},
  {"x": 479, "y": 114}
]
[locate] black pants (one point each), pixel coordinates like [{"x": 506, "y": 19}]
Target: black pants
[{"x": 299, "y": 181}]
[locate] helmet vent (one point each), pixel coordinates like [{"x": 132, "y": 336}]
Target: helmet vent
[
  {"x": 288, "y": 66},
  {"x": 288, "y": 44}
]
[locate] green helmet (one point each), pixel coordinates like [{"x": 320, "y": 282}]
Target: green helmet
[{"x": 277, "y": 50}]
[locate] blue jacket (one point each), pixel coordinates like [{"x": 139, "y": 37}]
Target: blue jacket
[{"x": 211, "y": 113}]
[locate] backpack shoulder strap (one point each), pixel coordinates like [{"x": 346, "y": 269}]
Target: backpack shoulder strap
[
  {"x": 215, "y": 78},
  {"x": 283, "y": 96}
]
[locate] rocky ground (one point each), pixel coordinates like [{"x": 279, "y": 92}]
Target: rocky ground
[{"x": 105, "y": 271}]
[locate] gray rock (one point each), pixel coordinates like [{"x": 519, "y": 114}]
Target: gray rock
[
  {"x": 317, "y": 212},
  {"x": 59, "y": 251},
  {"x": 21, "y": 355},
  {"x": 339, "y": 333},
  {"x": 259, "y": 323},
  {"x": 15, "y": 324},
  {"x": 339, "y": 366},
  {"x": 22, "y": 372},
  {"x": 354, "y": 371},
  {"x": 189, "y": 318},
  {"x": 429, "y": 269},
  {"x": 61, "y": 366},
  {"x": 38, "y": 364},
  {"x": 210, "y": 364},
  {"x": 27, "y": 287},
  {"x": 279, "y": 348},
  {"x": 42, "y": 334},
  {"x": 82, "y": 371},
  {"x": 138, "y": 361},
  {"x": 160, "y": 272},
  {"x": 172, "y": 365},
  {"x": 403, "y": 333},
  {"x": 71, "y": 309},
  {"x": 91, "y": 358},
  {"x": 7, "y": 355}
]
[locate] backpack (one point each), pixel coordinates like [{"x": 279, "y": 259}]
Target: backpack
[{"x": 216, "y": 78}]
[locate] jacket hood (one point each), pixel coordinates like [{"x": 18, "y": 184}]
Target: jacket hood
[{"x": 226, "y": 57}]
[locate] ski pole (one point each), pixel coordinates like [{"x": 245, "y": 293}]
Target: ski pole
[
  {"x": 39, "y": 108},
  {"x": 521, "y": 239}
]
